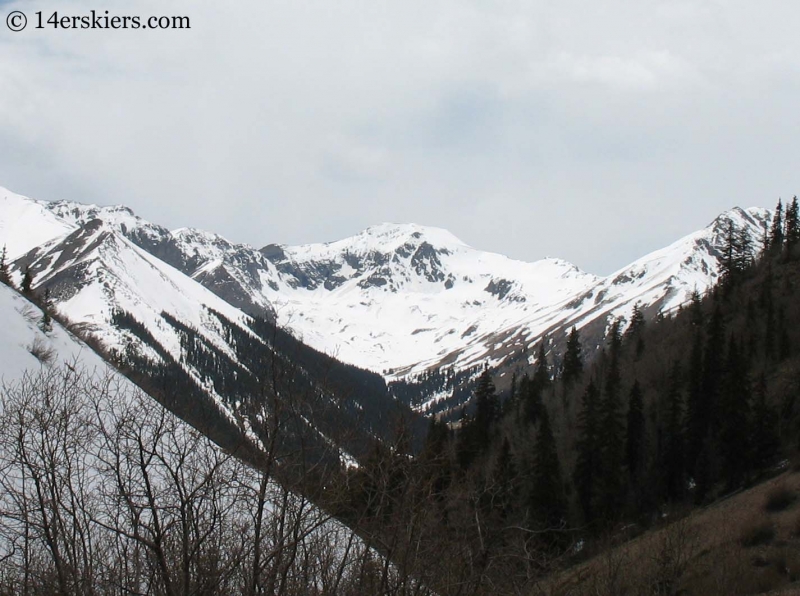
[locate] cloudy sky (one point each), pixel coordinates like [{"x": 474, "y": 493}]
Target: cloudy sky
[{"x": 591, "y": 131}]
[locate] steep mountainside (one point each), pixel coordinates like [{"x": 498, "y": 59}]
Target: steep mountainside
[
  {"x": 232, "y": 374},
  {"x": 24, "y": 345},
  {"x": 400, "y": 300},
  {"x": 92, "y": 460}
]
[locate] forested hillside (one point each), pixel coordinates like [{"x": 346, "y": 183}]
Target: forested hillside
[{"x": 677, "y": 411}]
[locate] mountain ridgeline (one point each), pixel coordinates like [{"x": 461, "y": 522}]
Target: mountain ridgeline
[
  {"x": 405, "y": 301},
  {"x": 676, "y": 411},
  {"x": 562, "y": 407}
]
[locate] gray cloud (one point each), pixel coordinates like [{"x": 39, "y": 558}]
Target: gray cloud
[{"x": 590, "y": 131}]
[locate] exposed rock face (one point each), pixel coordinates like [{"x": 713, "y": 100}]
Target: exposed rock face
[{"x": 397, "y": 299}]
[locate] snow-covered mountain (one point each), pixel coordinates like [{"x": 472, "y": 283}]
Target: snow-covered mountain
[
  {"x": 213, "y": 361},
  {"x": 397, "y": 299}
]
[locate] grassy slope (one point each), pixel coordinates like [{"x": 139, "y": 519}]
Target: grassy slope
[{"x": 734, "y": 546}]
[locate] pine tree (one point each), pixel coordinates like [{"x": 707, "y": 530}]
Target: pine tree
[
  {"x": 733, "y": 414},
  {"x": 533, "y": 404},
  {"x": 776, "y": 234},
  {"x": 5, "y": 276},
  {"x": 792, "y": 233},
  {"x": 784, "y": 344},
  {"x": 486, "y": 406},
  {"x": 435, "y": 439},
  {"x": 27, "y": 280},
  {"x": 510, "y": 404},
  {"x": 727, "y": 265},
  {"x": 573, "y": 360},
  {"x": 46, "y": 324},
  {"x": 548, "y": 504},
  {"x": 744, "y": 250},
  {"x": 540, "y": 381},
  {"x": 698, "y": 414},
  {"x": 504, "y": 482},
  {"x": 636, "y": 329},
  {"x": 635, "y": 447},
  {"x": 713, "y": 366},
  {"x": 765, "y": 423},
  {"x": 476, "y": 433},
  {"x": 769, "y": 316},
  {"x": 542, "y": 375},
  {"x": 586, "y": 466},
  {"x": 611, "y": 487},
  {"x": 672, "y": 464}
]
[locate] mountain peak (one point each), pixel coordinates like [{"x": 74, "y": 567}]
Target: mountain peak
[{"x": 390, "y": 233}]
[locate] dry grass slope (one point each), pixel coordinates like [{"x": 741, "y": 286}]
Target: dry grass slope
[{"x": 746, "y": 544}]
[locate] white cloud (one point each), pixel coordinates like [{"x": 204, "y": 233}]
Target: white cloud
[{"x": 591, "y": 131}]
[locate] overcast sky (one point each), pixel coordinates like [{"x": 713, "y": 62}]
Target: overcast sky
[{"x": 592, "y": 131}]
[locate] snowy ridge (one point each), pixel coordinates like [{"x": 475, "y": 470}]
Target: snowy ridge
[
  {"x": 397, "y": 299},
  {"x": 156, "y": 300},
  {"x": 411, "y": 301},
  {"x": 26, "y": 223}
]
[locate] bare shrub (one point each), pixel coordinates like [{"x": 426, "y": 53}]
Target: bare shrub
[
  {"x": 673, "y": 553},
  {"x": 102, "y": 491},
  {"x": 41, "y": 351},
  {"x": 30, "y": 313},
  {"x": 757, "y": 533},
  {"x": 780, "y": 498}
]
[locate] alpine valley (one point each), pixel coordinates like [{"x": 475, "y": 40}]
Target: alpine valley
[
  {"x": 412, "y": 304},
  {"x": 426, "y": 417}
]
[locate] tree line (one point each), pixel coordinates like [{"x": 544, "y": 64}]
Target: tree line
[
  {"x": 674, "y": 412},
  {"x": 105, "y": 492}
]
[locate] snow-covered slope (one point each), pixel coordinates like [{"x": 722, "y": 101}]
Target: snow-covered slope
[
  {"x": 24, "y": 345},
  {"x": 26, "y": 223},
  {"x": 404, "y": 298},
  {"x": 397, "y": 299},
  {"x": 208, "y": 356}
]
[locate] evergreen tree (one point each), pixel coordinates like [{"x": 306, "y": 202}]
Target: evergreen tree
[
  {"x": 744, "y": 250},
  {"x": 46, "y": 324},
  {"x": 548, "y": 505},
  {"x": 635, "y": 447},
  {"x": 698, "y": 414},
  {"x": 504, "y": 482},
  {"x": 435, "y": 439},
  {"x": 511, "y": 402},
  {"x": 776, "y": 234},
  {"x": 737, "y": 253},
  {"x": 540, "y": 381},
  {"x": 733, "y": 414},
  {"x": 696, "y": 309},
  {"x": 611, "y": 487},
  {"x": 476, "y": 433},
  {"x": 5, "y": 276},
  {"x": 784, "y": 345},
  {"x": 573, "y": 360},
  {"x": 636, "y": 329},
  {"x": 727, "y": 265},
  {"x": 672, "y": 464},
  {"x": 586, "y": 466},
  {"x": 765, "y": 423},
  {"x": 792, "y": 234},
  {"x": 486, "y": 407},
  {"x": 768, "y": 305},
  {"x": 542, "y": 375},
  {"x": 713, "y": 367},
  {"x": 533, "y": 400},
  {"x": 27, "y": 280},
  {"x": 704, "y": 472}
]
